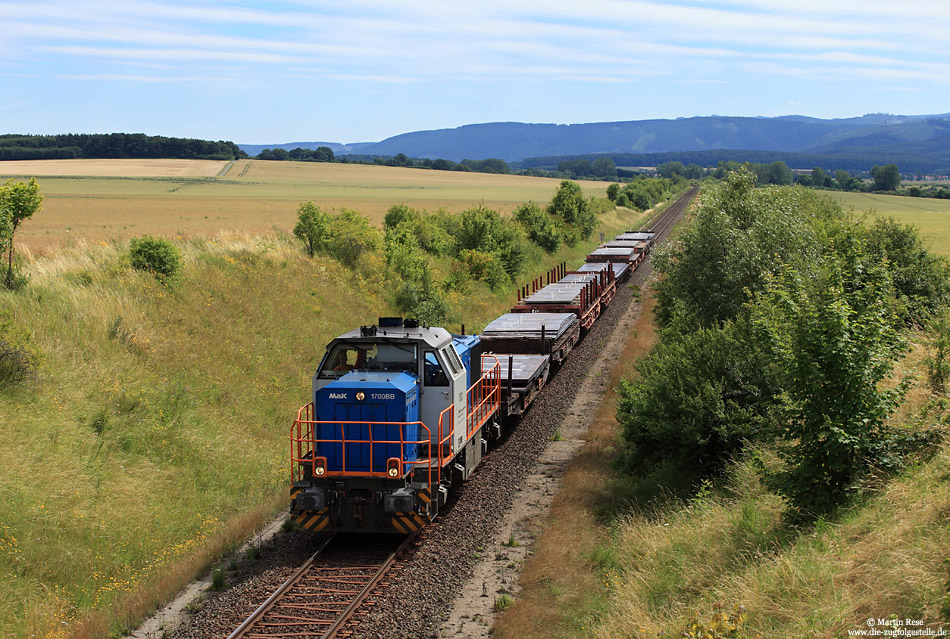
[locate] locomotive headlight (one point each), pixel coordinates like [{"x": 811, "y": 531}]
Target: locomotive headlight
[
  {"x": 320, "y": 466},
  {"x": 393, "y": 467}
]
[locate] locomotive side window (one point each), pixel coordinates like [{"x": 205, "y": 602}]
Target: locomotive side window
[
  {"x": 452, "y": 358},
  {"x": 434, "y": 375}
]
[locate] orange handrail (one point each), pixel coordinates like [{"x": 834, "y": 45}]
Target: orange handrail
[
  {"x": 487, "y": 397},
  {"x": 483, "y": 401},
  {"x": 304, "y": 443}
]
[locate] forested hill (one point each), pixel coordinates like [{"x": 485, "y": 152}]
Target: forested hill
[
  {"x": 113, "y": 145},
  {"x": 872, "y": 137}
]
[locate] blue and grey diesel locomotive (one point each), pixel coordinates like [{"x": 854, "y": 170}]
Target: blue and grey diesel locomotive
[{"x": 400, "y": 412}]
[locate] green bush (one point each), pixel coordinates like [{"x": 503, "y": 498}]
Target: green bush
[
  {"x": 349, "y": 236},
  {"x": 571, "y": 208},
  {"x": 921, "y": 279},
  {"x": 422, "y": 301},
  {"x": 430, "y": 231},
  {"x": 834, "y": 343},
  {"x": 485, "y": 267},
  {"x": 404, "y": 255},
  {"x": 697, "y": 399},
  {"x": 155, "y": 255},
  {"x": 19, "y": 357},
  {"x": 541, "y": 227},
  {"x": 400, "y": 214}
]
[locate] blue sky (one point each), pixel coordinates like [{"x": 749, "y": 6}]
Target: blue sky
[{"x": 364, "y": 70}]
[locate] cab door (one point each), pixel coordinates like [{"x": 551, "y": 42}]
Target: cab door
[{"x": 443, "y": 385}]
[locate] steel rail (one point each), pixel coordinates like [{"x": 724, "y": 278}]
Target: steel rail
[
  {"x": 277, "y": 594},
  {"x": 347, "y": 614},
  {"x": 666, "y": 218}
]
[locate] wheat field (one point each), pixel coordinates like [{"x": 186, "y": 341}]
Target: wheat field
[{"x": 92, "y": 201}]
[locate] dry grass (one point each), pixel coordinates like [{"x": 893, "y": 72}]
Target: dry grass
[
  {"x": 113, "y": 168},
  {"x": 563, "y": 582},
  {"x": 127, "y": 610}
]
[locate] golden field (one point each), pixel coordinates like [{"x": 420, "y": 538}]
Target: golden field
[
  {"x": 89, "y": 201},
  {"x": 930, "y": 215}
]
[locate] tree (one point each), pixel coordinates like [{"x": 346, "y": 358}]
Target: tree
[
  {"x": 605, "y": 167},
  {"x": 843, "y": 178},
  {"x": 541, "y": 227},
  {"x": 349, "y": 235},
  {"x": 18, "y": 202},
  {"x": 312, "y": 226},
  {"x": 570, "y": 205},
  {"x": 779, "y": 173},
  {"x": 886, "y": 178},
  {"x": 669, "y": 169},
  {"x": 323, "y": 154},
  {"x": 833, "y": 341},
  {"x": 613, "y": 191}
]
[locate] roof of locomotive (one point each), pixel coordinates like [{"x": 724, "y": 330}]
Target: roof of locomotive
[{"x": 432, "y": 336}]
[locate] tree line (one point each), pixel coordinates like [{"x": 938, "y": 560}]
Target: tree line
[
  {"x": 325, "y": 154},
  {"x": 602, "y": 168},
  {"x": 114, "y": 145},
  {"x": 855, "y": 163}
]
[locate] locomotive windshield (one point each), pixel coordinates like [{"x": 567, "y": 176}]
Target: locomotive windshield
[{"x": 344, "y": 357}]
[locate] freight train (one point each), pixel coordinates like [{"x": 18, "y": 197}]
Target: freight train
[{"x": 401, "y": 412}]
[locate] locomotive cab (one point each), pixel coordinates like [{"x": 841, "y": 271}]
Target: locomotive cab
[{"x": 389, "y": 422}]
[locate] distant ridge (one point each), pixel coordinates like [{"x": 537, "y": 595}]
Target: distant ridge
[
  {"x": 337, "y": 148},
  {"x": 871, "y": 136}
]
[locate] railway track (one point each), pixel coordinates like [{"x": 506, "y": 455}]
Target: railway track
[
  {"x": 662, "y": 222},
  {"x": 326, "y": 591}
]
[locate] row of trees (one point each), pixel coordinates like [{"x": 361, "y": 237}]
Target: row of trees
[
  {"x": 325, "y": 154},
  {"x": 114, "y": 145},
  {"x": 478, "y": 243},
  {"x": 319, "y": 154},
  {"x": 885, "y": 178},
  {"x": 597, "y": 169},
  {"x": 781, "y": 319},
  {"x": 642, "y": 193},
  {"x": 602, "y": 167}
]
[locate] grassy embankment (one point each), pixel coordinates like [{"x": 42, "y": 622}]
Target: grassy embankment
[
  {"x": 618, "y": 560},
  {"x": 156, "y": 436}
]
